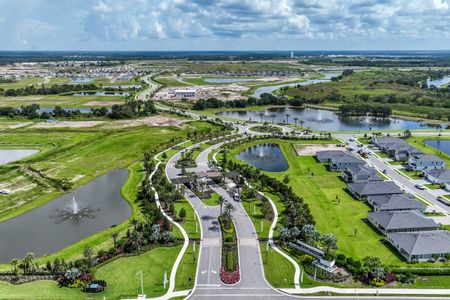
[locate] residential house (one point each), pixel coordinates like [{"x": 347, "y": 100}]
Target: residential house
[
  {"x": 401, "y": 221},
  {"x": 339, "y": 160},
  {"x": 396, "y": 148},
  {"x": 395, "y": 202},
  {"x": 420, "y": 162},
  {"x": 362, "y": 190},
  {"x": 439, "y": 176},
  {"x": 360, "y": 174},
  {"x": 421, "y": 246}
]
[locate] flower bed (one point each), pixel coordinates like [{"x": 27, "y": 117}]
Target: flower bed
[
  {"x": 229, "y": 270},
  {"x": 230, "y": 277}
]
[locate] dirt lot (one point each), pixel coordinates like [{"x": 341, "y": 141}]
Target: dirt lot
[
  {"x": 310, "y": 150},
  {"x": 224, "y": 92},
  {"x": 69, "y": 124},
  {"x": 148, "y": 121}
]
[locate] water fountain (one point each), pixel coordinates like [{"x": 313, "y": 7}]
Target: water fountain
[{"x": 74, "y": 212}]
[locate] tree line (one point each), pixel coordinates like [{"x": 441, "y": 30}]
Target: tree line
[
  {"x": 365, "y": 109},
  {"x": 54, "y": 89}
]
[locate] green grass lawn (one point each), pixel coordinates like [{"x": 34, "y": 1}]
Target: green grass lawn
[
  {"x": 41, "y": 290},
  {"x": 253, "y": 208},
  {"x": 60, "y": 100},
  {"x": 279, "y": 272},
  {"x": 411, "y": 174},
  {"x": 170, "y": 82},
  {"x": 211, "y": 201},
  {"x": 433, "y": 186},
  {"x": 189, "y": 222},
  {"x": 187, "y": 270},
  {"x": 121, "y": 273},
  {"x": 342, "y": 217}
]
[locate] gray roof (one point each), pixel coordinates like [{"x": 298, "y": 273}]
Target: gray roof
[
  {"x": 362, "y": 170},
  {"x": 389, "y": 140},
  {"x": 443, "y": 174},
  {"x": 427, "y": 158},
  {"x": 406, "y": 219},
  {"x": 423, "y": 242},
  {"x": 329, "y": 154},
  {"x": 375, "y": 188},
  {"x": 346, "y": 158},
  {"x": 396, "y": 202}
]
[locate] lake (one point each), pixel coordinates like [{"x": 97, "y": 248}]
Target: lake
[
  {"x": 122, "y": 86},
  {"x": 10, "y": 155},
  {"x": 270, "y": 89},
  {"x": 441, "y": 145},
  {"x": 439, "y": 82},
  {"x": 111, "y": 94},
  {"x": 81, "y": 80},
  {"x": 326, "y": 120},
  {"x": 53, "y": 226},
  {"x": 267, "y": 157}
]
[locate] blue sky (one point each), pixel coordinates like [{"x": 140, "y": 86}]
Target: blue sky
[{"x": 224, "y": 24}]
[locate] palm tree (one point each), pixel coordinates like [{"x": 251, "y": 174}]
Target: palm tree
[
  {"x": 14, "y": 262},
  {"x": 28, "y": 262},
  {"x": 287, "y": 118},
  {"x": 283, "y": 233},
  {"x": 134, "y": 222},
  {"x": 220, "y": 201},
  {"x": 261, "y": 115},
  {"x": 295, "y": 120},
  {"x": 115, "y": 235},
  {"x": 229, "y": 208},
  {"x": 273, "y": 118},
  {"x": 329, "y": 243},
  {"x": 301, "y": 123}
]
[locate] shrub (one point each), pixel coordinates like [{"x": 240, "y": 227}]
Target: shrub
[
  {"x": 230, "y": 263},
  {"x": 377, "y": 282}
]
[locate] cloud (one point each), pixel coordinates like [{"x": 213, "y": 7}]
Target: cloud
[
  {"x": 135, "y": 24},
  {"x": 440, "y": 4}
]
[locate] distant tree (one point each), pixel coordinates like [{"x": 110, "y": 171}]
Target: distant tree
[{"x": 182, "y": 213}]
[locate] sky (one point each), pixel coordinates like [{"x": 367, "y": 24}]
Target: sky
[{"x": 159, "y": 25}]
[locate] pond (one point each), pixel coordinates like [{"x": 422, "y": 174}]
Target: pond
[
  {"x": 62, "y": 222},
  {"x": 10, "y": 155},
  {"x": 439, "y": 82},
  {"x": 130, "y": 86},
  {"x": 81, "y": 79},
  {"x": 326, "y": 120},
  {"x": 270, "y": 89},
  {"x": 267, "y": 157},
  {"x": 441, "y": 145},
  {"x": 228, "y": 80},
  {"x": 111, "y": 94}
]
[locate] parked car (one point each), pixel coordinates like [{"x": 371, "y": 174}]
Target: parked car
[
  {"x": 5, "y": 192},
  {"x": 236, "y": 197},
  {"x": 384, "y": 171},
  {"x": 419, "y": 186}
]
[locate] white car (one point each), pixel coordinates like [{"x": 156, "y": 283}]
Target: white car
[
  {"x": 5, "y": 192},
  {"x": 419, "y": 186}
]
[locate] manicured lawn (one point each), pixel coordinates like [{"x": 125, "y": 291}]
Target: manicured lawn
[
  {"x": 187, "y": 270},
  {"x": 396, "y": 163},
  {"x": 211, "y": 201},
  {"x": 319, "y": 189},
  {"x": 279, "y": 272},
  {"x": 170, "y": 82},
  {"x": 253, "y": 208},
  {"x": 41, "y": 290},
  {"x": 411, "y": 174},
  {"x": 121, "y": 273},
  {"x": 190, "y": 220},
  {"x": 433, "y": 186}
]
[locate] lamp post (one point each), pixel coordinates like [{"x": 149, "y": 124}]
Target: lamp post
[{"x": 142, "y": 295}]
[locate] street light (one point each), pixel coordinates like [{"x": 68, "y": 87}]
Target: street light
[{"x": 142, "y": 295}]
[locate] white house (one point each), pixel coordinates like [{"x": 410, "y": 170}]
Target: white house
[{"x": 185, "y": 93}]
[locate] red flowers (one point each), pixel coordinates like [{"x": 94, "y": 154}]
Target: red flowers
[{"x": 229, "y": 277}]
